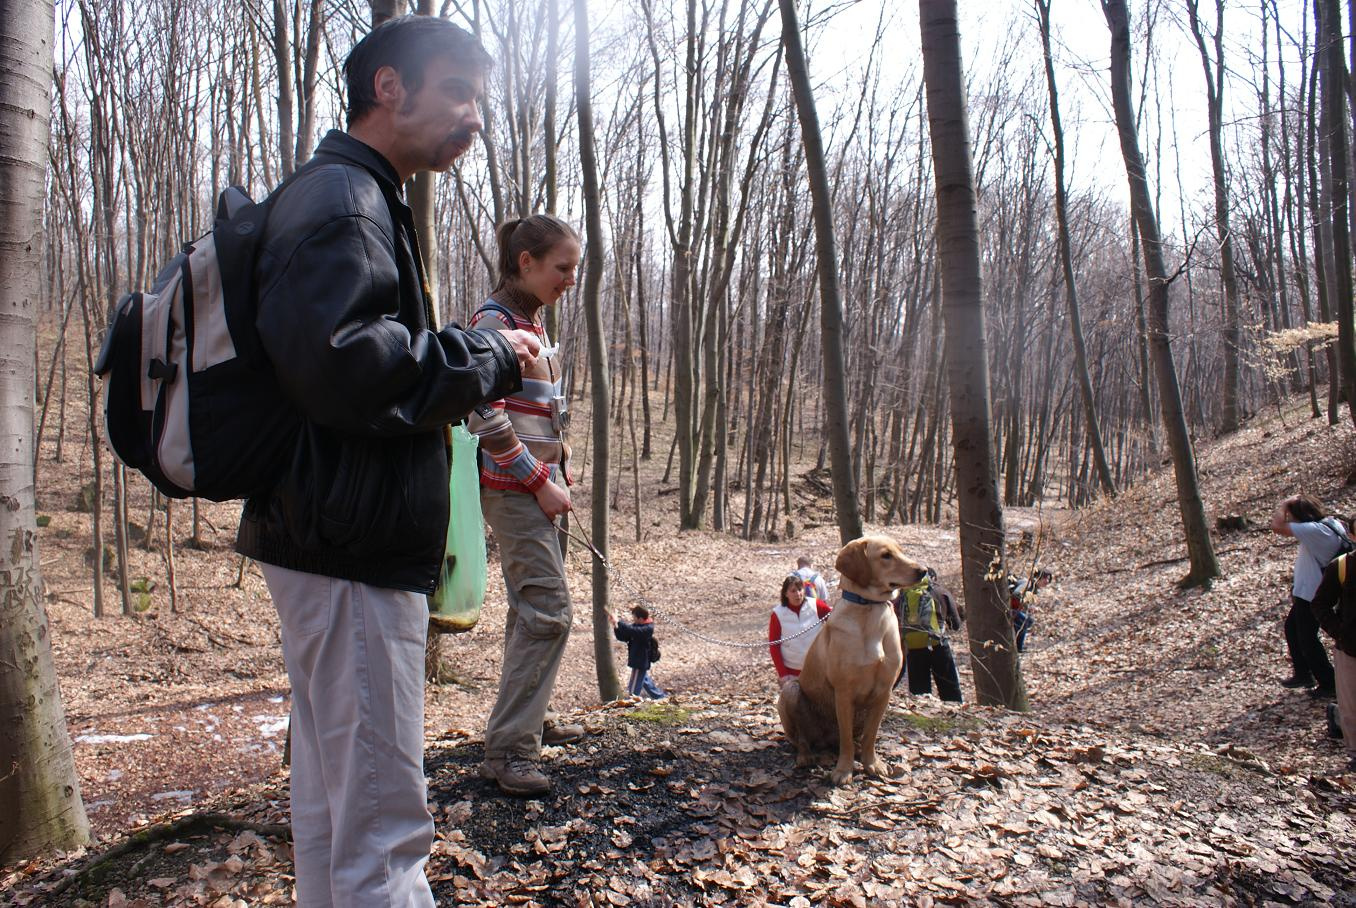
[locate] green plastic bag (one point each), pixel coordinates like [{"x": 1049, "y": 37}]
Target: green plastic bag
[{"x": 455, "y": 605}]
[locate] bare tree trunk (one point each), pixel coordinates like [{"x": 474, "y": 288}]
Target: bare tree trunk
[
  {"x": 282, "y": 56},
  {"x": 1334, "y": 78},
  {"x": 550, "y": 314},
  {"x": 1214, "y": 94},
  {"x": 41, "y": 810},
  {"x": 1201, "y": 552},
  {"x": 997, "y": 671},
  {"x": 830, "y": 300},
  {"x": 421, "y": 195},
  {"x": 1094, "y": 429},
  {"x": 383, "y": 10},
  {"x": 309, "y": 77},
  {"x": 608, "y": 686}
]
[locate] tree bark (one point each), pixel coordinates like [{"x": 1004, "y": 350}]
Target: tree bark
[
  {"x": 1094, "y": 428},
  {"x": 282, "y": 58},
  {"x": 830, "y": 298},
  {"x": 1214, "y": 96},
  {"x": 1204, "y": 566},
  {"x": 997, "y": 671},
  {"x": 421, "y": 193},
  {"x": 41, "y": 810},
  {"x": 383, "y": 10},
  {"x": 608, "y": 686},
  {"x": 1334, "y": 77}
]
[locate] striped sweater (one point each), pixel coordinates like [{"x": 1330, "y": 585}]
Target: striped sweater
[{"x": 521, "y": 449}]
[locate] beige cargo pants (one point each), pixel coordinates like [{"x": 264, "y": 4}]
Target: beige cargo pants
[{"x": 539, "y": 619}]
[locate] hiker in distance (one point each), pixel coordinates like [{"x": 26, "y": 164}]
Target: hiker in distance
[
  {"x": 805, "y": 569},
  {"x": 524, "y": 487},
  {"x": 793, "y": 626},
  {"x": 351, "y": 538},
  {"x": 1321, "y": 538}
]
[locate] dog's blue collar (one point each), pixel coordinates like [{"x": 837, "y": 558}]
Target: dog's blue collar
[{"x": 861, "y": 600}]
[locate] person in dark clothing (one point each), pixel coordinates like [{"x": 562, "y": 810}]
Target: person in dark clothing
[
  {"x": 1321, "y": 538},
  {"x": 926, "y": 611},
  {"x": 1334, "y": 609},
  {"x": 1022, "y": 596},
  {"x": 350, "y": 538},
  {"x": 637, "y": 636}
]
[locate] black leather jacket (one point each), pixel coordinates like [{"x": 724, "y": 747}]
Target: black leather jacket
[{"x": 344, "y": 319}]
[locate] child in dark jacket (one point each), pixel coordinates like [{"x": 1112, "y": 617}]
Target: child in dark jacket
[{"x": 637, "y": 636}]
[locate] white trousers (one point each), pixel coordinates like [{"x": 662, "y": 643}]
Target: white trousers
[{"x": 361, "y": 828}]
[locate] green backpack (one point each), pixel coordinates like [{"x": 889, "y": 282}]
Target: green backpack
[{"x": 920, "y": 623}]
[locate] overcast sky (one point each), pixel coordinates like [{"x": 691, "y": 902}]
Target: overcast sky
[{"x": 841, "y": 35}]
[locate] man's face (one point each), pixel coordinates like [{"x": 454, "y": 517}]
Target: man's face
[{"x": 438, "y": 123}]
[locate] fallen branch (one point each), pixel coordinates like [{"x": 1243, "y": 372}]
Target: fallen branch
[
  {"x": 1165, "y": 561},
  {"x": 184, "y": 826}
]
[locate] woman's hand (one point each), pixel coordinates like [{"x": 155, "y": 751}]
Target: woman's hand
[
  {"x": 553, "y": 500},
  {"x": 1280, "y": 521}
]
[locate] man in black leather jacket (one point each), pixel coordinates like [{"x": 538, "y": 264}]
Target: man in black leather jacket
[{"x": 351, "y": 538}]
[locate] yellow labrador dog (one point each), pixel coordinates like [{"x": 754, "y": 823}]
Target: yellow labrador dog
[{"x": 844, "y": 686}]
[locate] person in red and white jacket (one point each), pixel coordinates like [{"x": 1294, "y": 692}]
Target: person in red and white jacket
[{"x": 797, "y": 612}]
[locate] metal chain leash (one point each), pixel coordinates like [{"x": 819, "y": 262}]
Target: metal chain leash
[{"x": 659, "y": 613}]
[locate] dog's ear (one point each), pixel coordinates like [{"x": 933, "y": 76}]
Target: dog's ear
[{"x": 853, "y": 564}]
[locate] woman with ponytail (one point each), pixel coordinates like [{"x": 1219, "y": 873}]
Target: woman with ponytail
[
  {"x": 1321, "y": 538},
  {"x": 524, "y": 487}
]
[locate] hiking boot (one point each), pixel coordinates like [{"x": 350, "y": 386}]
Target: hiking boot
[
  {"x": 1322, "y": 693},
  {"x": 1294, "y": 682},
  {"x": 516, "y": 776},
  {"x": 1334, "y": 725},
  {"x": 557, "y": 733}
]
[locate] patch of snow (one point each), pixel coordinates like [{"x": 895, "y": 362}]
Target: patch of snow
[
  {"x": 271, "y": 725},
  {"x": 172, "y": 796},
  {"x": 111, "y": 739}
]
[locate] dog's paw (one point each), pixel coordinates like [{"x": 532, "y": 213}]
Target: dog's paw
[
  {"x": 840, "y": 776},
  {"x": 803, "y": 760},
  {"x": 878, "y": 769}
]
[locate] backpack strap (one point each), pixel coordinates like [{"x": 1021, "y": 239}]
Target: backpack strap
[
  {"x": 1342, "y": 569},
  {"x": 492, "y": 306}
]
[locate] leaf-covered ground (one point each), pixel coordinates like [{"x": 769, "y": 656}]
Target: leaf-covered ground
[{"x": 1160, "y": 764}]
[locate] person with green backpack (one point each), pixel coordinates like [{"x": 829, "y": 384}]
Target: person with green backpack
[{"x": 926, "y": 611}]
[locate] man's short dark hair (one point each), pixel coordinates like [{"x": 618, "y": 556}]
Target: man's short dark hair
[{"x": 407, "y": 44}]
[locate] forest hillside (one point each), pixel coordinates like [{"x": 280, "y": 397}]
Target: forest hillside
[{"x": 1161, "y": 763}]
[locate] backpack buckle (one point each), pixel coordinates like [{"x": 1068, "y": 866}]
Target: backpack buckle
[{"x": 162, "y": 371}]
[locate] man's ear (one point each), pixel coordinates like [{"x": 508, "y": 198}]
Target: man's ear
[
  {"x": 389, "y": 88},
  {"x": 852, "y": 563}
]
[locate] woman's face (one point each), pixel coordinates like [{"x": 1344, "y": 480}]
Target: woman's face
[
  {"x": 795, "y": 595},
  {"x": 547, "y": 278}
]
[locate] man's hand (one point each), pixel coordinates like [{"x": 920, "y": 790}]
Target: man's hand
[
  {"x": 525, "y": 345},
  {"x": 553, "y": 500}
]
